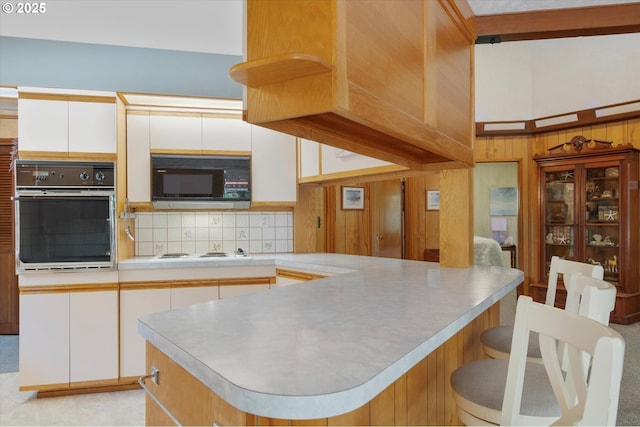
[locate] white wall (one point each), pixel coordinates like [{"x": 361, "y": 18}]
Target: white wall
[{"x": 532, "y": 79}]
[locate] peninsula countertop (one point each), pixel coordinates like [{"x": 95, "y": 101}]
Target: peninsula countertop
[{"x": 323, "y": 348}]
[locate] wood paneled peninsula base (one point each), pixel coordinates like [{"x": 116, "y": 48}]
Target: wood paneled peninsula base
[{"x": 373, "y": 346}]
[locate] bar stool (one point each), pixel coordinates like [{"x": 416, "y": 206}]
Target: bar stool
[
  {"x": 496, "y": 342},
  {"x": 578, "y": 380}
]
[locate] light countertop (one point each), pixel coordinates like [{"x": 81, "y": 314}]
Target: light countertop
[{"x": 322, "y": 348}]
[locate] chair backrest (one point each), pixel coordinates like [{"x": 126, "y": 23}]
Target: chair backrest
[
  {"x": 589, "y": 398},
  {"x": 595, "y": 304},
  {"x": 565, "y": 266}
]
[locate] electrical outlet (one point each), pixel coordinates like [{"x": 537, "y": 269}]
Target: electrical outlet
[{"x": 155, "y": 375}]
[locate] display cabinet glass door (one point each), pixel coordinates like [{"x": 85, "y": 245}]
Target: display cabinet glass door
[
  {"x": 560, "y": 215},
  {"x": 602, "y": 214}
]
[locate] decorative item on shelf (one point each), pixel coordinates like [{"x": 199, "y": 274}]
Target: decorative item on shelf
[
  {"x": 559, "y": 236},
  {"x": 608, "y": 241},
  {"x": 578, "y": 143},
  {"x": 596, "y": 239},
  {"x": 591, "y": 211},
  {"x": 606, "y": 194},
  {"x": 593, "y": 261},
  {"x": 611, "y": 172},
  {"x": 608, "y": 213},
  {"x": 557, "y": 211},
  {"x": 567, "y": 176},
  {"x": 611, "y": 264}
]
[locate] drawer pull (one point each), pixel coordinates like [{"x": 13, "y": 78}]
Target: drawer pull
[{"x": 154, "y": 377}]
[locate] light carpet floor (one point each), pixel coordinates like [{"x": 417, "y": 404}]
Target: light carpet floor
[{"x": 122, "y": 408}]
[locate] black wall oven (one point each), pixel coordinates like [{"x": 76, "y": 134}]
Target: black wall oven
[{"x": 65, "y": 215}]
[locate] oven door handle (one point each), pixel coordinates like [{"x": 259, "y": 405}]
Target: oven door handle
[{"x": 67, "y": 193}]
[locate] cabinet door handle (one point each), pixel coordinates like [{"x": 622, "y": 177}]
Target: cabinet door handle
[{"x": 155, "y": 398}]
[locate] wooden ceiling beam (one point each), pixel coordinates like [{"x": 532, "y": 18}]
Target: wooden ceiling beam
[{"x": 585, "y": 21}]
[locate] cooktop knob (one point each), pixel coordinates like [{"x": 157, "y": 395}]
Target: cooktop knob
[
  {"x": 99, "y": 176},
  {"x": 84, "y": 176}
]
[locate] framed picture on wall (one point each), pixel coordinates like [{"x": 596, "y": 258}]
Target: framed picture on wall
[
  {"x": 352, "y": 198},
  {"x": 433, "y": 200}
]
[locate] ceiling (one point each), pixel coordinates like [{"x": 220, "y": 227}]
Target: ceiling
[{"x": 209, "y": 26}]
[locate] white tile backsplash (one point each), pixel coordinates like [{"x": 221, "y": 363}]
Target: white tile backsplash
[{"x": 201, "y": 232}]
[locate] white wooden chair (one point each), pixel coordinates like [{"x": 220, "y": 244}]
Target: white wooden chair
[
  {"x": 591, "y": 355},
  {"x": 496, "y": 342}
]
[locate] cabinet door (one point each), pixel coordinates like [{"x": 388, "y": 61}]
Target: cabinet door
[
  {"x": 309, "y": 158},
  {"x": 183, "y": 296},
  {"x": 135, "y": 303},
  {"x": 336, "y": 160},
  {"x": 44, "y": 339},
  {"x": 92, "y": 127},
  {"x": 602, "y": 219},
  {"x": 138, "y": 158},
  {"x": 228, "y": 291},
  {"x": 175, "y": 132},
  {"x": 93, "y": 353},
  {"x": 225, "y": 134},
  {"x": 559, "y": 215},
  {"x": 273, "y": 166},
  {"x": 43, "y": 125}
]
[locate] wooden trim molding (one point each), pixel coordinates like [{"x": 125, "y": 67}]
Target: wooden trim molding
[
  {"x": 558, "y": 23},
  {"x": 53, "y": 289},
  {"x": 573, "y": 119},
  {"x": 298, "y": 275},
  {"x": 64, "y": 155},
  {"x": 60, "y": 97}
]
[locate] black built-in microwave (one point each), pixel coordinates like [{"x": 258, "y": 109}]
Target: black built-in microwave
[{"x": 200, "y": 182}]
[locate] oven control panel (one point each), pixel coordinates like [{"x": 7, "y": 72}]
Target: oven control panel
[{"x": 54, "y": 174}]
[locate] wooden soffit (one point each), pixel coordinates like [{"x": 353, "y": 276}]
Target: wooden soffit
[{"x": 558, "y": 23}]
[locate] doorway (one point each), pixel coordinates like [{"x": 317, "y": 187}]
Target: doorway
[
  {"x": 388, "y": 218},
  {"x": 496, "y": 204}
]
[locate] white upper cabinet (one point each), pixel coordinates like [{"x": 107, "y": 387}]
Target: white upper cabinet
[
  {"x": 198, "y": 132},
  {"x": 92, "y": 127},
  {"x": 138, "y": 157},
  {"x": 309, "y": 158},
  {"x": 335, "y": 160},
  {"x": 175, "y": 132},
  {"x": 273, "y": 166},
  {"x": 43, "y": 125},
  {"x": 59, "y": 122},
  {"x": 273, "y": 154},
  {"x": 225, "y": 134}
]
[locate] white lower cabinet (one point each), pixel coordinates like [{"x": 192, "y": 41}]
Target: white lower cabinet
[
  {"x": 228, "y": 291},
  {"x": 93, "y": 326},
  {"x": 67, "y": 338},
  {"x": 44, "y": 339},
  {"x": 135, "y": 303},
  {"x": 183, "y": 296}
]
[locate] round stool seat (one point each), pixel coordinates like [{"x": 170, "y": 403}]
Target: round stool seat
[
  {"x": 481, "y": 384},
  {"x": 497, "y": 343}
]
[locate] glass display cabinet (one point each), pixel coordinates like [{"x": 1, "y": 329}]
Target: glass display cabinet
[{"x": 589, "y": 211}]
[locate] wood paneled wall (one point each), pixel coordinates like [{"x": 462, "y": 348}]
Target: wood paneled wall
[
  {"x": 350, "y": 231},
  {"x": 347, "y": 231},
  {"x": 422, "y": 227}
]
